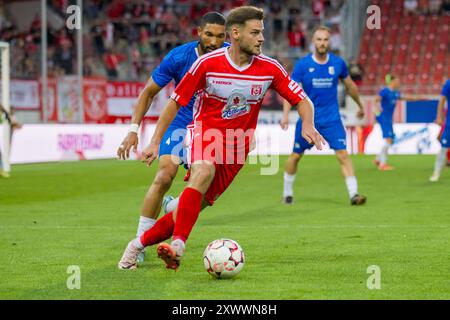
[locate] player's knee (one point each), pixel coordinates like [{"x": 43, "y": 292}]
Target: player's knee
[
  {"x": 203, "y": 172},
  {"x": 163, "y": 180},
  {"x": 342, "y": 157},
  {"x": 295, "y": 157}
]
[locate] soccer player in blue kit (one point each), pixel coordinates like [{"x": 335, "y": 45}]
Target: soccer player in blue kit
[
  {"x": 319, "y": 74},
  {"x": 445, "y": 138},
  {"x": 385, "y": 104},
  {"x": 174, "y": 66}
]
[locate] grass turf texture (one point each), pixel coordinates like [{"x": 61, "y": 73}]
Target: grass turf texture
[{"x": 84, "y": 213}]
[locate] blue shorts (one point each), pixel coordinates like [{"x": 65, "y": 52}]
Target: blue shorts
[
  {"x": 445, "y": 138},
  {"x": 334, "y": 133},
  {"x": 388, "y": 129},
  {"x": 172, "y": 143}
]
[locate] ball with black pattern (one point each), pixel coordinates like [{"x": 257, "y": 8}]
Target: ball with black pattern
[{"x": 223, "y": 258}]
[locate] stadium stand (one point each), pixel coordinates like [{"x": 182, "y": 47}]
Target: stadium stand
[
  {"x": 416, "y": 44},
  {"x": 413, "y": 43}
]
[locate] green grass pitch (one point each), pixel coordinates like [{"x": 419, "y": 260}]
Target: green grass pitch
[{"x": 53, "y": 216}]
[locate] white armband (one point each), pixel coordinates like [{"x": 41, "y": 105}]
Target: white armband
[{"x": 134, "y": 127}]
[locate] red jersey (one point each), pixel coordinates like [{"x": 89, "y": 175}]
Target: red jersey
[{"x": 229, "y": 96}]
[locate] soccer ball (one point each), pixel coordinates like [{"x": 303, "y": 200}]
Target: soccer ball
[{"x": 223, "y": 258}]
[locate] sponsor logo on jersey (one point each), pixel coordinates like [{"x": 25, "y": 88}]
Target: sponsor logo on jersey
[
  {"x": 311, "y": 69},
  {"x": 223, "y": 82},
  {"x": 236, "y": 106},
  {"x": 256, "y": 89},
  {"x": 331, "y": 70}
]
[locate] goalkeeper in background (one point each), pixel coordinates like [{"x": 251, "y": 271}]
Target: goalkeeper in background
[{"x": 14, "y": 124}]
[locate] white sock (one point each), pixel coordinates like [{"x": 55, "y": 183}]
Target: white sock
[
  {"x": 288, "y": 190},
  {"x": 384, "y": 153},
  {"x": 172, "y": 205},
  {"x": 137, "y": 243},
  {"x": 441, "y": 159},
  {"x": 144, "y": 225},
  {"x": 352, "y": 186}
]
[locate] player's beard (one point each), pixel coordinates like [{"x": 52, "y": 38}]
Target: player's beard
[
  {"x": 207, "y": 49},
  {"x": 322, "y": 50},
  {"x": 252, "y": 51}
]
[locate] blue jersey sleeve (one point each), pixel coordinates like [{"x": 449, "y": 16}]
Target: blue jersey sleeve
[
  {"x": 344, "y": 70},
  {"x": 297, "y": 73},
  {"x": 383, "y": 92},
  {"x": 165, "y": 72}
]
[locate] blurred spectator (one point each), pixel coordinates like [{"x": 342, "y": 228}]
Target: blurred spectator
[
  {"x": 356, "y": 71},
  {"x": 435, "y": 6},
  {"x": 445, "y": 8},
  {"x": 297, "y": 41},
  {"x": 335, "y": 40},
  {"x": 410, "y": 7},
  {"x": 96, "y": 32},
  {"x": 424, "y": 7},
  {"x": 318, "y": 8},
  {"x": 112, "y": 61}
]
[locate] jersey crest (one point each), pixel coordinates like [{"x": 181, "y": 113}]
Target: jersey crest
[{"x": 236, "y": 106}]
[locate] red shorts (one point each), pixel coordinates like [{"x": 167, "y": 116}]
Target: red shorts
[{"x": 226, "y": 169}]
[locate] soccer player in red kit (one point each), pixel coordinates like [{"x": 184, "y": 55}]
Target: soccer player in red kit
[{"x": 230, "y": 84}]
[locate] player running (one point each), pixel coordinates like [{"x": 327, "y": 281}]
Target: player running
[
  {"x": 385, "y": 104},
  {"x": 319, "y": 73},
  {"x": 174, "y": 66},
  {"x": 445, "y": 137},
  {"x": 231, "y": 84}
]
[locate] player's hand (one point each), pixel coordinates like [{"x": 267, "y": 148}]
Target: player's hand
[
  {"x": 150, "y": 153},
  {"x": 312, "y": 136},
  {"x": 360, "y": 114},
  {"x": 284, "y": 123},
  {"x": 130, "y": 141}
]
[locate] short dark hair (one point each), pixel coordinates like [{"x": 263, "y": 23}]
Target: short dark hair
[
  {"x": 212, "y": 18},
  {"x": 242, "y": 14}
]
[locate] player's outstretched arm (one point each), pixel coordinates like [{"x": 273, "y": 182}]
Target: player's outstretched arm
[
  {"x": 144, "y": 102},
  {"x": 150, "y": 153},
  {"x": 440, "y": 111},
  {"x": 352, "y": 90},
  {"x": 305, "y": 110},
  {"x": 408, "y": 97}
]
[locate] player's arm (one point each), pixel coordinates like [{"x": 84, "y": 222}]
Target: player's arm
[
  {"x": 150, "y": 153},
  {"x": 352, "y": 90},
  {"x": 409, "y": 97},
  {"x": 285, "y": 120},
  {"x": 291, "y": 91},
  {"x": 144, "y": 101},
  {"x": 377, "y": 108},
  {"x": 305, "y": 109},
  {"x": 297, "y": 75},
  {"x": 440, "y": 111},
  {"x": 193, "y": 81}
]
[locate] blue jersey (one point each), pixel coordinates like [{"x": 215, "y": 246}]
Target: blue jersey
[
  {"x": 389, "y": 100},
  {"x": 320, "y": 82},
  {"x": 174, "y": 66},
  {"x": 446, "y": 93}
]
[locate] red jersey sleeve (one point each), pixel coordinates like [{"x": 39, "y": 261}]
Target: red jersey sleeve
[
  {"x": 193, "y": 81},
  {"x": 286, "y": 87}
]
